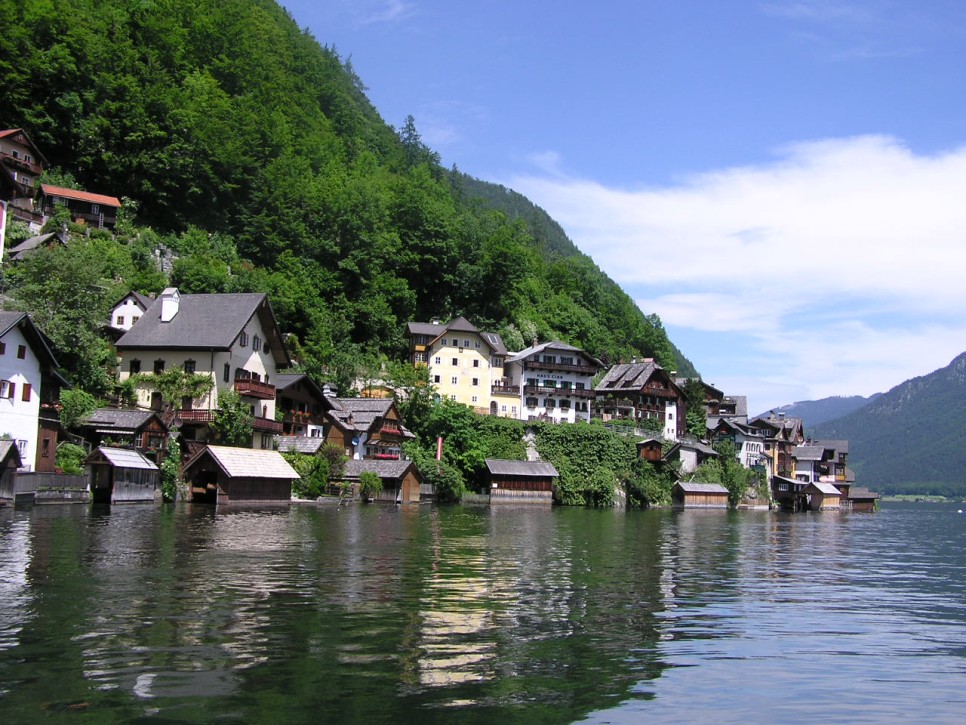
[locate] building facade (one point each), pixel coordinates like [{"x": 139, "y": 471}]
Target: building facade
[{"x": 552, "y": 381}]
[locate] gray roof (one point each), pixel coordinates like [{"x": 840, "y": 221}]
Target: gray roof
[
  {"x": 838, "y": 446},
  {"x": 808, "y": 453},
  {"x": 384, "y": 469},
  {"x": 458, "y": 324},
  {"x": 692, "y": 487},
  {"x": 248, "y": 462},
  {"x": 628, "y": 376},
  {"x": 503, "y": 467},
  {"x": 143, "y": 300},
  {"x": 8, "y": 448},
  {"x": 204, "y": 322},
  {"x": 561, "y": 346},
  {"x": 300, "y": 444},
  {"x": 30, "y": 244},
  {"x": 120, "y": 419},
  {"x": 698, "y": 446},
  {"x": 126, "y": 458},
  {"x": 827, "y": 488},
  {"x": 862, "y": 492},
  {"x": 38, "y": 341}
]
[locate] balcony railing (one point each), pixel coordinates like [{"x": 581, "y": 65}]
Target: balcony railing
[
  {"x": 389, "y": 431},
  {"x": 505, "y": 389},
  {"x": 34, "y": 169},
  {"x": 560, "y": 392},
  {"x": 561, "y": 367},
  {"x": 266, "y": 425},
  {"x": 262, "y": 425},
  {"x": 255, "y": 389}
]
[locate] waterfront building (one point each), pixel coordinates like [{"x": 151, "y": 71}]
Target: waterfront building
[
  {"x": 642, "y": 390},
  {"x": 552, "y": 381}
]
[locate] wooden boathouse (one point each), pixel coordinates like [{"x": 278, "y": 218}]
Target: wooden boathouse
[
  {"x": 122, "y": 475},
  {"x": 822, "y": 497},
  {"x": 400, "y": 480},
  {"x": 690, "y": 495},
  {"x": 520, "y": 481},
  {"x": 222, "y": 475}
]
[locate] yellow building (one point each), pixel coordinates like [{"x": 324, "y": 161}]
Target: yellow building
[{"x": 465, "y": 365}]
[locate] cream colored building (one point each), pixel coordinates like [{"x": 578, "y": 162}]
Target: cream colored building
[
  {"x": 465, "y": 365},
  {"x": 233, "y": 338}
]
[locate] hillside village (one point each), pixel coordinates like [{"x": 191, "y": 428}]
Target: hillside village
[{"x": 183, "y": 359}]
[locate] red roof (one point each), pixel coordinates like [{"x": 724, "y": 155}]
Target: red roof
[{"x": 49, "y": 190}]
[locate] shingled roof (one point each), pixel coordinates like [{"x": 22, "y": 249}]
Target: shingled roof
[
  {"x": 628, "y": 376},
  {"x": 554, "y": 345},
  {"x": 205, "y": 322},
  {"x": 502, "y": 467},
  {"x": 457, "y": 324},
  {"x": 247, "y": 462},
  {"x": 118, "y": 420},
  {"x": 383, "y": 469}
]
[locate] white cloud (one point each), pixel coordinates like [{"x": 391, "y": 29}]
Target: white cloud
[
  {"x": 840, "y": 263},
  {"x": 817, "y": 10},
  {"x": 383, "y": 11}
]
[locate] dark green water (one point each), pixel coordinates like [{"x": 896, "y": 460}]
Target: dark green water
[{"x": 384, "y": 614}]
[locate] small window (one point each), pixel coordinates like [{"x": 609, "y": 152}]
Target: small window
[
  {"x": 22, "y": 352},
  {"x": 456, "y": 362},
  {"x": 26, "y": 393},
  {"x": 476, "y": 381},
  {"x": 134, "y": 319},
  {"x": 227, "y": 374},
  {"x": 45, "y": 448},
  {"x": 134, "y": 366},
  {"x": 189, "y": 367},
  {"x": 453, "y": 380},
  {"x": 466, "y": 343},
  {"x": 95, "y": 208},
  {"x": 7, "y": 389},
  {"x": 3, "y": 348},
  {"x": 437, "y": 361},
  {"x": 266, "y": 347},
  {"x": 476, "y": 363},
  {"x": 120, "y": 321},
  {"x": 474, "y": 399},
  {"x": 158, "y": 367},
  {"x": 243, "y": 339},
  {"x": 436, "y": 379},
  {"x": 256, "y": 343},
  {"x": 442, "y": 343}
]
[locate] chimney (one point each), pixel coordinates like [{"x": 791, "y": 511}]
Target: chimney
[{"x": 170, "y": 301}]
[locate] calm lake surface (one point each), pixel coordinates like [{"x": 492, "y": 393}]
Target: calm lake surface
[{"x": 473, "y": 614}]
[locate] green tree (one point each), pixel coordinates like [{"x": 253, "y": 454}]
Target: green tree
[
  {"x": 233, "y": 422},
  {"x": 75, "y": 405},
  {"x": 171, "y": 470},
  {"x": 70, "y": 458},
  {"x": 369, "y": 485}
]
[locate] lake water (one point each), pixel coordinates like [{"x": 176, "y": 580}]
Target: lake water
[{"x": 472, "y": 614}]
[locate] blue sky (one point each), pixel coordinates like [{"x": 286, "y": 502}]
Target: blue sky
[{"x": 782, "y": 181}]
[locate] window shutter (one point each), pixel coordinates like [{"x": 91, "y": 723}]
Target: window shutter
[
  {"x": 26, "y": 392},
  {"x": 13, "y": 390}
]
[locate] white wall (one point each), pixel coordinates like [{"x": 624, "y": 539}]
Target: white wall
[{"x": 19, "y": 417}]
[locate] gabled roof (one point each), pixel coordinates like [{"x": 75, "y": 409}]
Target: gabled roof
[
  {"x": 808, "y": 453},
  {"x": 359, "y": 414},
  {"x": 631, "y": 377},
  {"x": 309, "y": 445},
  {"x": 80, "y": 195},
  {"x": 32, "y": 243},
  {"x": 9, "y": 132},
  {"x": 121, "y": 458},
  {"x": 458, "y": 324},
  {"x": 118, "y": 420},
  {"x": 284, "y": 381},
  {"x": 37, "y": 340},
  {"x": 143, "y": 301},
  {"x": 205, "y": 322},
  {"x": 692, "y": 487},
  {"x": 561, "y": 346},
  {"x": 246, "y": 462},
  {"x": 9, "y": 450},
  {"x": 383, "y": 469},
  {"x": 503, "y": 467},
  {"x": 826, "y": 488}
]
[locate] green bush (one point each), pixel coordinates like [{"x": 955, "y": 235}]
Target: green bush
[
  {"x": 70, "y": 458},
  {"x": 369, "y": 485}
]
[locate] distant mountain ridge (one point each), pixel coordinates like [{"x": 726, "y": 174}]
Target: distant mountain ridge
[
  {"x": 911, "y": 439},
  {"x": 816, "y": 412}
]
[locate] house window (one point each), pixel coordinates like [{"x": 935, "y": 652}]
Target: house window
[
  {"x": 503, "y": 409},
  {"x": 267, "y": 441},
  {"x": 21, "y": 352},
  {"x": 134, "y": 366},
  {"x": 442, "y": 343},
  {"x": 226, "y": 375},
  {"x": 266, "y": 347},
  {"x": 3, "y": 348},
  {"x": 456, "y": 362},
  {"x": 243, "y": 339},
  {"x": 476, "y": 381},
  {"x": 548, "y": 403},
  {"x": 531, "y": 402},
  {"x": 564, "y": 405},
  {"x": 95, "y": 208},
  {"x": 477, "y": 344},
  {"x": 26, "y": 393},
  {"x": 120, "y": 321},
  {"x": 256, "y": 343},
  {"x": 474, "y": 398},
  {"x": 420, "y": 357},
  {"x": 436, "y": 379},
  {"x": 496, "y": 362},
  {"x": 476, "y": 363},
  {"x": 7, "y": 389},
  {"x": 158, "y": 367},
  {"x": 453, "y": 398},
  {"x": 452, "y": 380},
  {"x": 134, "y": 319},
  {"x": 437, "y": 361},
  {"x": 466, "y": 343},
  {"x": 189, "y": 367}
]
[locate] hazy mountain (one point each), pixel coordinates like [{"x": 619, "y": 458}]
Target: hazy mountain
[
  {"x": 912, "y": 438},
  {"x": 814, "y": 412}
]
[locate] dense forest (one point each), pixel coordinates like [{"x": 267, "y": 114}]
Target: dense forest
[
  {"x": 249, "y": 156},
  {"x": 910, "y": 439}
]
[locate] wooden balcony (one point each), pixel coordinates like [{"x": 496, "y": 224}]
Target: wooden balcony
[
  {"x": 266, "y": 425},
  {"x": 561, "y": 367},
  {"x": 199, "y": 417},
  {"x": 21, "y": 164},
  {"x": 504, "y": 389},
  {"x": 255, "y": 389},
  {"x": 559, "y": 392}
]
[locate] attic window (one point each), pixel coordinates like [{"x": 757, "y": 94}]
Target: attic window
[
  {"x": 119, "y": 322},
  {"x": 256, "y": 343},
  {"x": 265, "y": 347},
  {"x": 7, "y": 389},
  {"x": 21, "y": 352},
  {"x": 243, "y": 339}
]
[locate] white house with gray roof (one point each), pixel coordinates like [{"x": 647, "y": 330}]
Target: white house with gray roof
[
  {"x": 233, "y": 338},
  {"x": 553, "y": 382}
]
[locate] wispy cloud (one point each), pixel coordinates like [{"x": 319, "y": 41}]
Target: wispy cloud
[
  {"x": 823, "y": 11},
  {"x": 383, "y": 11},
  {"x": 840, "y": 257}
]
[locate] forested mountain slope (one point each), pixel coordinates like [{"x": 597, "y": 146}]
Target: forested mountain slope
[
  {"x": 253, "y": 153},
  {"x": 914, "y": 434}
]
